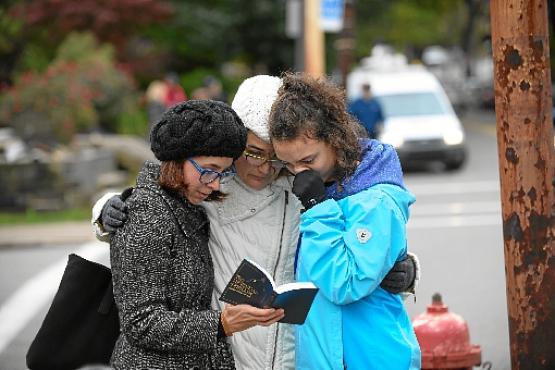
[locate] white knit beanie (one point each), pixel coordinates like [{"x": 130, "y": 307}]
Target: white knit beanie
[{"x": 253, "y": 102}]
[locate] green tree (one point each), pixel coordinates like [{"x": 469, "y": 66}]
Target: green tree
[
  {"x": 209, "y": 33},
  {"x": 409, "y": 25}
]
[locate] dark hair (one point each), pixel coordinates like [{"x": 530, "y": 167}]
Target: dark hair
[
  {"x": 172, "y": 174},
  {"x": 316, "y": 108}
]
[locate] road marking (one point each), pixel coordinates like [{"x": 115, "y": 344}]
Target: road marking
[
  {"x": 455, "y": 214},
  {"x": 485, "y": 128},
  {"x": 453, "y": 188},
  {"x": 28, "y": 300},
  {"x": 455, "y": 208},
  {"x": 454, "y": 221}
]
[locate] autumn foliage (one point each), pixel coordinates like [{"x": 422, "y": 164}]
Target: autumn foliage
[
  {"x": 110, "y": 20},
  {"x": 81, "y": 90}
]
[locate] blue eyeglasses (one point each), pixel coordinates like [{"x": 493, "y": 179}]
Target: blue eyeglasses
[{"x": 207, "y": 175}]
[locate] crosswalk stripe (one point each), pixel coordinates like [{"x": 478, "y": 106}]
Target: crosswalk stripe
[
  {"x": 454, "y": 221},
  {"x": 455, "y": 208},
  {"x": 453, "y": 187},
  {"x": 451, "y": 214}
]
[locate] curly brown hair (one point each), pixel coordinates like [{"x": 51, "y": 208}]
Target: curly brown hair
[
  {"x": 172, "y": 174},
  {"x": 317, "y": 108}
]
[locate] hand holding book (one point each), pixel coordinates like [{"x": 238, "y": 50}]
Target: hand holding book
[
  {"x": 241, "y": 317},
  {"x": 251, "y": 284}
]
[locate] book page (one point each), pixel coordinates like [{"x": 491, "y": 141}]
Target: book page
[
  {"x": 294, "y": 286},
  {"x": 263, "y": 271}
]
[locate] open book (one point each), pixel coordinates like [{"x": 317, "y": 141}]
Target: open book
[{"x": 251, "y": 284}]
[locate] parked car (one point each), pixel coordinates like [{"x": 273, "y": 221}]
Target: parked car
[{"x": 419, "y": 120}]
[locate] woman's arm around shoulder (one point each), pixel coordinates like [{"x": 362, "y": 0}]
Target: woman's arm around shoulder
[{"x": 98, "y": 230}]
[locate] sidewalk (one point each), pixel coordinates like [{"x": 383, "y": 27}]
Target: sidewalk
[{"x": 73, "y": 232}]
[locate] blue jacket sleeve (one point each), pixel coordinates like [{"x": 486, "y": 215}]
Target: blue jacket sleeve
[{"x": 348, "y": 246}]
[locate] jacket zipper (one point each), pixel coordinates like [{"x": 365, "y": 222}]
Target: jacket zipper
[{"x": 275, "y": 270}]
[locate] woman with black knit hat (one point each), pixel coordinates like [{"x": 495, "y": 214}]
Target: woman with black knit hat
[{"x": 161, "y": 266}]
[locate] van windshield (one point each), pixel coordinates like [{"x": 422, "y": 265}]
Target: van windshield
[{"x": 413, "y": 104}]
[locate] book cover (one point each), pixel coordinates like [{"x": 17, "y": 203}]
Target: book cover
[{"x": 251, "y": 284}]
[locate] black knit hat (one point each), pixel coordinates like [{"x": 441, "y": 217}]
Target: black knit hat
[{"x": 198, "y": 127}]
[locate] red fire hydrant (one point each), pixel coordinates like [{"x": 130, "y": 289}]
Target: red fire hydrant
[{"x": 444, "y": 339}]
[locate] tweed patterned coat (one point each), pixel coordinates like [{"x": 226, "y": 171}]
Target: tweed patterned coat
[{"x": 163, "y": 280}]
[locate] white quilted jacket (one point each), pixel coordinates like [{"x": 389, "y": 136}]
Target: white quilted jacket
[{"x": 262, "y": 226}]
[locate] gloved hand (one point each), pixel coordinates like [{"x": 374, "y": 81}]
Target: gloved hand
[
  {"x": 309, "y": 187},
  {"x": 401, "y": 276},
  {"x": 114, "y": 212}
]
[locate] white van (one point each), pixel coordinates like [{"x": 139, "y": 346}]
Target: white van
[{"x": 418, "y": 117}]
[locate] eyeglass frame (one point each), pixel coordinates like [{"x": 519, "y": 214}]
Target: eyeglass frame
[
  {"x": 265, "y": 160},
  {"x": 224, "y": 176}
]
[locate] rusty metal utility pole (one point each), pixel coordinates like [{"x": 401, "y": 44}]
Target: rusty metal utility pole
[{"x": 527, "y": 165}]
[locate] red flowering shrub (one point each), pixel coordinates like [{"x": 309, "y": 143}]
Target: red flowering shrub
[{"x": 80, "y": 90}]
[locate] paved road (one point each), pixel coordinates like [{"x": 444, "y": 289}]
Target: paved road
[
  {"x": 29, "y": 277},
  {"x": 455, "y": 228}
]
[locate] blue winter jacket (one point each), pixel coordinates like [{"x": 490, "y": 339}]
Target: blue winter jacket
[{"x": 349, "y": 243}]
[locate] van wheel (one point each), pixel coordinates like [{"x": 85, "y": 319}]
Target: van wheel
[{"x": 454, "y": 165}]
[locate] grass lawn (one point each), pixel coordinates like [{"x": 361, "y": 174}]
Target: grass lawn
[{"x": 34, "y": 217}]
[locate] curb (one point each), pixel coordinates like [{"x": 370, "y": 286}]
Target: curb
[{"x": 74, "y": 232}]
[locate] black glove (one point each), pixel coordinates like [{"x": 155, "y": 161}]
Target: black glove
[
  {"x": 401, "y": 276},
  {"x": 114, "y": 212},
  {"x": 309, "y": 187}
]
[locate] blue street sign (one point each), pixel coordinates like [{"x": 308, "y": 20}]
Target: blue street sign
[{"x": 331, "y": 15}]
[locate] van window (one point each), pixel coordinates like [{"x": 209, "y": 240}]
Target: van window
[{"x": 412, "y": 104}]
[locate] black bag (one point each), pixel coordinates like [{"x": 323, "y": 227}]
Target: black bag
[{"x": 81, "y": 326}]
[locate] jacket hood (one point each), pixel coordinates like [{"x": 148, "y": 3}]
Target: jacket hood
[
  {"x": 379, "y": 165},
  {"x": 402, "y": 197}
]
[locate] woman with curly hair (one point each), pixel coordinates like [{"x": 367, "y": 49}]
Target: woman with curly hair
[{"x": 353, "y": 231}]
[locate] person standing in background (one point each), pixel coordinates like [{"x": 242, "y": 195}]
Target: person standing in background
[
  {"x": 214, "y": 89},
  {"x": 155, "y": 95},
  {"x": 174, "y": 92},
  {"x": 367, "y": 111}
]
